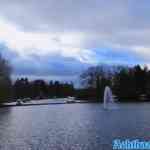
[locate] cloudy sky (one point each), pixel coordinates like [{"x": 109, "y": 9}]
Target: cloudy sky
[{"x": 61, "y": 38}]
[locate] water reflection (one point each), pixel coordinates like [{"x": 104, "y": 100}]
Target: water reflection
[{"x": 73, "y": 126}]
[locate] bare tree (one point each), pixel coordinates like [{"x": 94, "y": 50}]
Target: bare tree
[
  {"x": 97, "y": 78},
  {"x": 92, "y": 75}
]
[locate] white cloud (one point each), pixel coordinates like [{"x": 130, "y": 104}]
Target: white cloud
[
  {"x": 73, "y": 28},
  {"x": 44, "y": 43}
]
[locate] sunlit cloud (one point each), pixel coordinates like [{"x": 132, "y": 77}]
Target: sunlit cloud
[
  {"x": 28, "y": 43},
  {"x": 83, "y": 32}
]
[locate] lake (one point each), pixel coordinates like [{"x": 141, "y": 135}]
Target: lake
[{"x": 72, "y": 126}]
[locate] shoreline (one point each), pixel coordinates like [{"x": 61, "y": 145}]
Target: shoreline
[
  {"x": 63, "y": 102},
  {"x": 38, "y": 104}
]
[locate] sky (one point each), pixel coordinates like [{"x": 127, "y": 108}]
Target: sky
[{"x": 55, "y": 39}]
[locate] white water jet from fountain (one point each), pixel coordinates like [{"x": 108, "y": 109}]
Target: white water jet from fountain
[{"x": 108, "y": 100}]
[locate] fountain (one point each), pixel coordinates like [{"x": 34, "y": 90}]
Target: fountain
[{"x": 108, "y": 97}]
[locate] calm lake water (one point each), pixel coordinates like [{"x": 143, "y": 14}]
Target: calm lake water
[{"x": 72, "y": 126}]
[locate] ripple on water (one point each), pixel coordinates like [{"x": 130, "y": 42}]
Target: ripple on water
[{"x": 71, "y": 127}]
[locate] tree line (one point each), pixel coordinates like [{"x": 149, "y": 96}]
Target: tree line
[
  {"x": 39, "y": 89},
  {"x": 23, "y": 88},
  {"x": 127, "y": 83}
]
